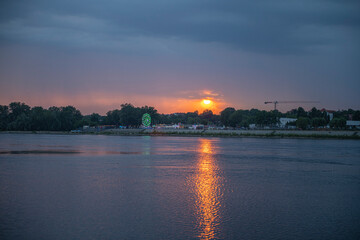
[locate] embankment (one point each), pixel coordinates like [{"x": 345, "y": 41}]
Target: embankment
[
  {"x": 213, "y": 133},
  {"x": 238, "y": 133}
]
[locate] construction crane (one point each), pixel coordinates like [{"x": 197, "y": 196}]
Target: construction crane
[{"x": 276, "y": 102}]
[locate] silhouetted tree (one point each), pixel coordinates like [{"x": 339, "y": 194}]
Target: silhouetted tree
[
  {"x": 356, "y": 116},
  {"x": 95, "y": 119},
  {"x": 4, "y": 117},
  {"x": 301, "y": 112},
  {"x": 19, "y": 116},
  {"x": 315, "y": 113},
  {"x": 16, "y": 109},
  {"x": 113, "y": 117},
  {"x": 129, "y": 115},
  {"x": 207, "y": 117},
  {"x": 68, "y": 117},
  {"x": 225, "y": 115},
  {"x": 38, "y": 120}
]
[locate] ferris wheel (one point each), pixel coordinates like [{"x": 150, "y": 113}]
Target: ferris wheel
[{"x": 146, "y": 120}]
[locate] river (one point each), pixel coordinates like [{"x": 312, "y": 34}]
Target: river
[{"x": 142, "y": 187}]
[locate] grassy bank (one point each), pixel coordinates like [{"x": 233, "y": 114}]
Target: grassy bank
[
  {"x": 213, "y": 133},
  {"x": 261, "y": 133},
  {"x": 235, "y": 133}
]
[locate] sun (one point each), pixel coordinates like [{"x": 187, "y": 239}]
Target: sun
[
  {"x": 206, "y": 101},
  {"x": 207, "y": 104}
]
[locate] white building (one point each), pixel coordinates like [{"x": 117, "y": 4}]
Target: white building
[
  {"x": 284, "y": 121},
  {"x": 329, "y": 113},
  {"x": 252, "y": 126},
  {"x": 353, "y": 124}
]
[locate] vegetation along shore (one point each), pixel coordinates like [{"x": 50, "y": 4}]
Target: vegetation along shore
[{"x": 229, "y": 123}]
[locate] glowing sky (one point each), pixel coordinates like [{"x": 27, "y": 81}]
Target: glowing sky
[{"x": 96, "y": 55}]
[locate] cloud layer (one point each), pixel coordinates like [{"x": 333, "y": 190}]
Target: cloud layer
[
  {"x": 249, "y": 51},
  {"x": 277, "y": 27}
]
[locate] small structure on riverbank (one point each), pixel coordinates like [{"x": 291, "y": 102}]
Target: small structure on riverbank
[
  {"x": 353, "y": 124},
  {"x": 283, "y": 122}
]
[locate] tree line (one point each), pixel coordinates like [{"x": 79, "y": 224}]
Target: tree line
[
  {"x": 21, "y": 117},
  {"x": 314, "y": 118}
]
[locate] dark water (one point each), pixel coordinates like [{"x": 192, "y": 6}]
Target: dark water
[{"x": 111, "y": 187}]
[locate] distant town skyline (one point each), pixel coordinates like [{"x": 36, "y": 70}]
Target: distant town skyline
[{"x": 173, "y": 55}]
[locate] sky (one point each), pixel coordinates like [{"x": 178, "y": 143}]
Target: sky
[{"x": 97, "y": 55}]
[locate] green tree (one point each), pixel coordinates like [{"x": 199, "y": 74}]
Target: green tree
[
  {"x": 236, "y": 118},
  {"x": 272, "y": 118},
  {"x": 4, "y": 117},
  {"x": 291, "y": 114},
  {"x": 17, "y": 109},
  {"x": 21, "y": 123},
  {"x": 338, "y": 123},
  {"x": 315, "y": 113},
  {"x": 207, "y": 114},
  {"x": 95, "y": 119},
  {"x": 53, "y": 119},
  {"x": 356, "y": 115},
  {"x": 261, "y": 118},
  {"x": 113, "y": 117},
  {"x": 130, "y": 115},
  {"x": 164, "y": 119},
  {"x": 318, "y": 122},
  {"x": 69, "y": 116},
  {"x": 244, "y": 123},
  {"x": 302, "y": 122},
  {"x": 38, "y": 119},
  {"x": 225, "y": 115},
  {"x": 190, "y": 120},
  {"x": 301, "y": 113},
  {"x": 192, "y": 117}
]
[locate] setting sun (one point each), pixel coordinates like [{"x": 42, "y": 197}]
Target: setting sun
[{"x": 206, "y": 101}]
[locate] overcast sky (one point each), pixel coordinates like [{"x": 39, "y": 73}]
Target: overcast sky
[{"x": 96, "y": 55}]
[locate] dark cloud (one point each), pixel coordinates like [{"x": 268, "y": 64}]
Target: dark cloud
[
  {"x": 249, "y": 51},
  {"x": 274, "y": 27}
]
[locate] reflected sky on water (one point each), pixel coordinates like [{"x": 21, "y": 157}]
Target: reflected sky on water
[{"x": 113, "y": 187}]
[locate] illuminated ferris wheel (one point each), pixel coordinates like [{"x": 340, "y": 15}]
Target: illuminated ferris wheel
[{"x": 146, "y": 120}]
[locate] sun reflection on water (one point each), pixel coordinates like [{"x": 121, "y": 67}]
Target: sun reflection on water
[{"x": 207, "y": 189}]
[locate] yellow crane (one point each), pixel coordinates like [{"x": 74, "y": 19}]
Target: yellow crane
[{"x": 277, "y": 102}]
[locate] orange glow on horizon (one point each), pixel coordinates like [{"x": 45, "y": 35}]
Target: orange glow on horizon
[
  {"x": 167, "y": 105},
  {"x": 102, "y": 102}
]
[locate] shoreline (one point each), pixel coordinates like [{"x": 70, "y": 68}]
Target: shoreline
[{"x": 329, "y": 134}]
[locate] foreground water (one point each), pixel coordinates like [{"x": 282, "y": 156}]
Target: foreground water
[{"x": 113, "y": 187}]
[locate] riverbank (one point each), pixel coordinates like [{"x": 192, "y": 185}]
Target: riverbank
[
  {"x": 238, "y": 133},
  {"x": 330, "y": 134}
]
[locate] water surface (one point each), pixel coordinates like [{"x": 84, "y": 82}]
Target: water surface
[{"x": 121, "y": 187}]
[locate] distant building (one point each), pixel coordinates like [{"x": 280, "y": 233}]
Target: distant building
[
  {"x": 285, "y": 121},
  {"x": 197, "y": 127},
  {"x": 252, "y": 126},
  {"x": 329, "y": 113},
  {"x": 178, "y": 114},
  {"x": 104, "y": 127},
  {"x": 166, "y": 126},
  {"x": 353, "y": 124}
]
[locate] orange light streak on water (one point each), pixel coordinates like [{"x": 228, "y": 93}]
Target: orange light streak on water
[{"x": 208, "y": 191}]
